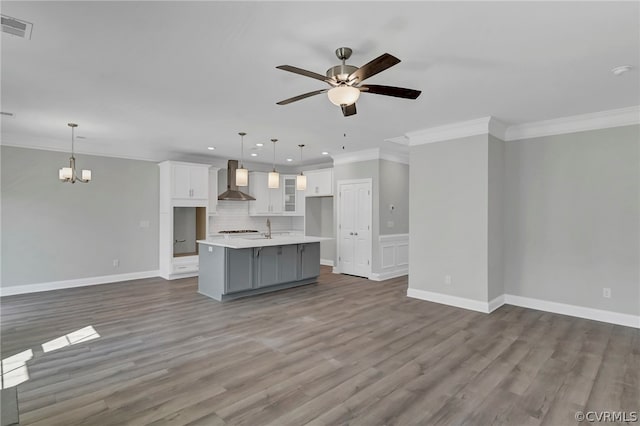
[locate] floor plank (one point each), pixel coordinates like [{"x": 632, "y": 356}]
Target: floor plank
[{"x": 343, "y": 351}]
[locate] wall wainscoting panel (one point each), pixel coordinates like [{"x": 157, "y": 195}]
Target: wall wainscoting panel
[
  {"x": 394, "y": 257},
  {"x": 80, "y": 282}
]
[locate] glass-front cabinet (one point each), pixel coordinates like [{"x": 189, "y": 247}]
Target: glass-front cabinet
[{"x": 293, "y": 200}]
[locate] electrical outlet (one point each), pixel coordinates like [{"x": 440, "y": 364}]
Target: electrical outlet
[
  {"x": 606, "y": 292},
  {"x": 447, "y": 279},
  {"x": 144, "y": 224},
  {"x": 116, "y": 263},
  {"x": 390, "y": 224}
]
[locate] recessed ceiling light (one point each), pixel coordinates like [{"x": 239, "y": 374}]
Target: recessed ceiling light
[
  {"x": 621, "y": 69},
  {"x": 289, "y": 159},
  {"x": 253, "y": 154},
  {"x": 325, "y": 153},
  {"x": 259, "y": 144},
  {"x": 211, "y": 148}
]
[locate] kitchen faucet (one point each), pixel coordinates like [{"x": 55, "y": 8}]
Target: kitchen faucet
[{"x": 268, "y": 233}]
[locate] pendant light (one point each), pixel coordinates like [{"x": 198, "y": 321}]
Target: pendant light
[
  {"x": 301, "y": 179},
  {"x": 242, "y": 174},
  {"x": 68, "y": 174},
  {"x": 274, "y": 176}
]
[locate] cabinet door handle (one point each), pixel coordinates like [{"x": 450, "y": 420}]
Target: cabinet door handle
[
  {"x": 355, "y": 233},
  {"x": 258, "y": 252},
  {"x": 350, "y": 233}
]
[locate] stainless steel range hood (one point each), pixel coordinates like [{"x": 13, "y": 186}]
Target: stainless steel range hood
[{"x": 232, "y": 193}]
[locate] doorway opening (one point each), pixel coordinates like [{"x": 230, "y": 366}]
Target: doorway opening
[{"x": 189, "y": 225}]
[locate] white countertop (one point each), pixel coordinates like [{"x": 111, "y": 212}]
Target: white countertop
[{"x": 249, "y": 242}]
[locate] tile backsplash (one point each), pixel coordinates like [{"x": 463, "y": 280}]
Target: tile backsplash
[{"x": 235, "y": 215}]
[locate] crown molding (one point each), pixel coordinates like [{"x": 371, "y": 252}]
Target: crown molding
[
  {"x": 479, "y": 126},
  {"x": 401, "y": 140},
  {"x": 356, "y": 156},
  {"x": 370, "y": 154},
  {"x": 490, "y": 125},
  {"x": 397, "y": 157},
  {"x": 575, "y": 123}
]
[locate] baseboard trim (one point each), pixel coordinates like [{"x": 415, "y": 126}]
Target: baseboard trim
[
  {"x": 80, "y": 282},
  {"x": 446, "y": 299},
  {"x": 326, "y": 262},
  {"x": 610, "y": 317},
  {"x": 495, "y": 303},
  {"x": 381, "y": 276}
]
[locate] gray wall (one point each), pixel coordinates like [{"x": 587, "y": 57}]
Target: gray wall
[
  {"x": 394, "y": 189},
  {"x": 496, "y": 217},
  {"x": 572, "y": 213},
  {"x": 448, "y": 217},
  {"x": 319, "y": 223},
  {"x": 58, "y": 231}
]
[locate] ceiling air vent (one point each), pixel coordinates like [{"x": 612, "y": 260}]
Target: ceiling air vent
[{"x": 16, "y": 27}]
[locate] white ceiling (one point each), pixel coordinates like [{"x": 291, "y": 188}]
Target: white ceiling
[{"x": 165, "y": 79}]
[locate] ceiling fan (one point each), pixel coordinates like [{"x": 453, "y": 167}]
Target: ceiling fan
[{"x": 346, "y": 81}]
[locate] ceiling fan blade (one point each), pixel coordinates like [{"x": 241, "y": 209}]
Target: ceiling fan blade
[
  {"x": 306, "y": 73},
  {"x": 300, "y": 97},
  {"x": 348, "y": 110},
  {"x": 398, "y": 92},
  {"x": 372, "y": 68}
]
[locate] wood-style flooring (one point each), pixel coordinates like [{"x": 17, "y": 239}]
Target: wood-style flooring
[{"x": 343, "y": 351}]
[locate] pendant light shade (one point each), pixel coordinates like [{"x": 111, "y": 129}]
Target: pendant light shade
[
  {"x": 242, "y": 177},
  {"x": 301, "y": 179},
  {"x": 274, "y": 177},
  {"x": 301, "y": 182},
  {"x": 242, "y": 174},
  {"x": 68, "y": 174}
]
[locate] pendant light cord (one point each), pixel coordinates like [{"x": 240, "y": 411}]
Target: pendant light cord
[
  {"x": 274, "y": 153},
  {"x": 301, "y": 146},
  {"x": 242, "y": 135}
]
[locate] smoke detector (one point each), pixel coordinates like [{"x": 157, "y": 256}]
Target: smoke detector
[{"x": 16, "y": 27}]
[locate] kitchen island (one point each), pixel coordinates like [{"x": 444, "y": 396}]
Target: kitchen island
[{"x": 238, "y": 267}]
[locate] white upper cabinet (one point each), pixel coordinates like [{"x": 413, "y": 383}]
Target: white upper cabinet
[
  {"x": 189, "y": 181},
  {"x": 286, "y": 200},
  {"x": 268, "y": 201},
  {"x": 213, "y": 189},
  {"x": 319, "y": 182}
]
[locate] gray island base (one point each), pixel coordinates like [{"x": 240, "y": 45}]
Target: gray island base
[{"x": 229, "y": 271}]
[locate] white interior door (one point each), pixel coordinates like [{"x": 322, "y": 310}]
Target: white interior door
[
  {"x": 362, "y": 230},
  {"x": 354, "y": 228}
]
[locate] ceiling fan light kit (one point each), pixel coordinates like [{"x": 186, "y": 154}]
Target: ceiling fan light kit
[
  {"x": 343, "y": 95},
  {"x": 346, "y": 81}
]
